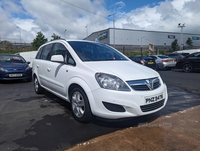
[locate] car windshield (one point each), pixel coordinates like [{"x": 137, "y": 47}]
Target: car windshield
[
  {"x": 12, "y": 59},
  {"x": 89, "y": 51}
]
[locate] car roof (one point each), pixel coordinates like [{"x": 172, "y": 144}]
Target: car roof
[{"x": 67, "y": 40}]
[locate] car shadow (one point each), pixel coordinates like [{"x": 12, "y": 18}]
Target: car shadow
[
  {"x": 181, "y": 70},
  {"x": 12, "y": 81},
  {"x": 177, "y": 101},
  {"x": 62, "y": 131}
]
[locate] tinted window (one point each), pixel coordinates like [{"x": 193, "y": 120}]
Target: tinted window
[
  {"x": 185, "y": 54},
  {"x": 88, "y": 51},
  {"x": 39, "y": 53},
  {"x": 145, "y": 57},
  {"x": 46, "y": 52},
  {"x": 153, "y": 57},
  {"x": 195, "y": 55}
]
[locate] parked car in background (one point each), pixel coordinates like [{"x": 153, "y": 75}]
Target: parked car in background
[
  {"x": 164, "y": 62},
  {"x": 177, "y": 56},
  {"x": 97, "y": 80},
  {"x": 144, "y": 60},
  {"x": 189, "y": 63},
  {"x": 190, "y": 51},
  {"x": 28, "y": 56},
  {"x": 14, "y": 67}
]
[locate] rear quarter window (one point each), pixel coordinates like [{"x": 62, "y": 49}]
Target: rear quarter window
[
  {"x": 45, "y": 52},
  {"x": 39, "y": 53}
]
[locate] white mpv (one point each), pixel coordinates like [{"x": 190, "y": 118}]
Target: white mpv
[{"x": 97, "y": 80}]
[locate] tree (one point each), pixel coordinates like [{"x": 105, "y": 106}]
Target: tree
[
  {"x": 5, "y": 45},
  {"x": 189, "y": 42},
  {"x": 174, "y": 45},
  {"x": 54, "y": 36},
  {"x": 39, "y": 40}
]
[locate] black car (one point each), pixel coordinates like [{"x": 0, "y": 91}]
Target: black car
[
  {"x": 189, "y": 63},
  {"x": 14, "y": 67},
  {"x": 177, "y": 56},
  {"x": 144, "y": 60}
]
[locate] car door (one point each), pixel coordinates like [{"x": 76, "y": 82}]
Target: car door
[
  {"x": 41, "y": 62},
  {"x": 195, "y": 59},
  {"x": 59, "y": 72}
]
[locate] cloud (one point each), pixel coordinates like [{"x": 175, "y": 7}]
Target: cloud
[
  {"x": 120, "y": 4},
  {"x": 164, "y": 17},
  {"x": 50, "y": 16}
]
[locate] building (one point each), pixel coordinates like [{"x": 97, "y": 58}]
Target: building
[{"x": 128, "y": 39}]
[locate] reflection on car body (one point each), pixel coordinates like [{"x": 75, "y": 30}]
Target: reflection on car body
[{"x": 97, "y": 80}]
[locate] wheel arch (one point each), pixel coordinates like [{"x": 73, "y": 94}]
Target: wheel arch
[
  {"x": 78, "y": 82},
  {"x": 35, "y": 75}
]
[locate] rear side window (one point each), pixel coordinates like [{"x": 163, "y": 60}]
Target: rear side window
[
  {"x": 45, "y": 54},
  {"x": 39, "y": 53},
  {"x": 195, "y": 55}
]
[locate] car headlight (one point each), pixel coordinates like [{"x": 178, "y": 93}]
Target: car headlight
[
  {"x": 2, "y": 69},
  {"x": 111, "y": 82}
]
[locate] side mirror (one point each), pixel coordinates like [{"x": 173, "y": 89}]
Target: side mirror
[{"x": 57, "y": 58}]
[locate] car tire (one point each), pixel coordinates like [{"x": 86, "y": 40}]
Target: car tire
[
  {"x": 37, "y": 87},
  {"x": 187, "y": 67},
  {"x": 80, "y": 105}
]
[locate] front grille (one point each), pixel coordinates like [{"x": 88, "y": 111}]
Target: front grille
[
  {"x": 145, "y": 84},
  {"x": 153, "y": 106}
]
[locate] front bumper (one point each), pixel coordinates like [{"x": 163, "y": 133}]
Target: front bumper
[
  {"x": 25, "y": 75},
  {"x": 133, "y": 102}
]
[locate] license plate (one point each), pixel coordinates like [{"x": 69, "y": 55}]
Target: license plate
[
  {"x": 150, "y": 62},
  {"x": 170, "y": 61},
  {"x": 153, "y": 99},
  {"x": 15, "y": 75}
]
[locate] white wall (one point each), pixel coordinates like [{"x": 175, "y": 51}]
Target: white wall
[{"x": 141, "y": 37}]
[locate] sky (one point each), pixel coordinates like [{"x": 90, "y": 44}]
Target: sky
[{"x": 76, "y": 19}]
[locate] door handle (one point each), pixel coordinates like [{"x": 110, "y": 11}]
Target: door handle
[
  {"x": 38, "y": 66},
  {"x": 48, "y": 69}
]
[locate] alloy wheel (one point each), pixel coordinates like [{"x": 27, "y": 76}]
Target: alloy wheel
[{"x": 78, "y": 104}]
